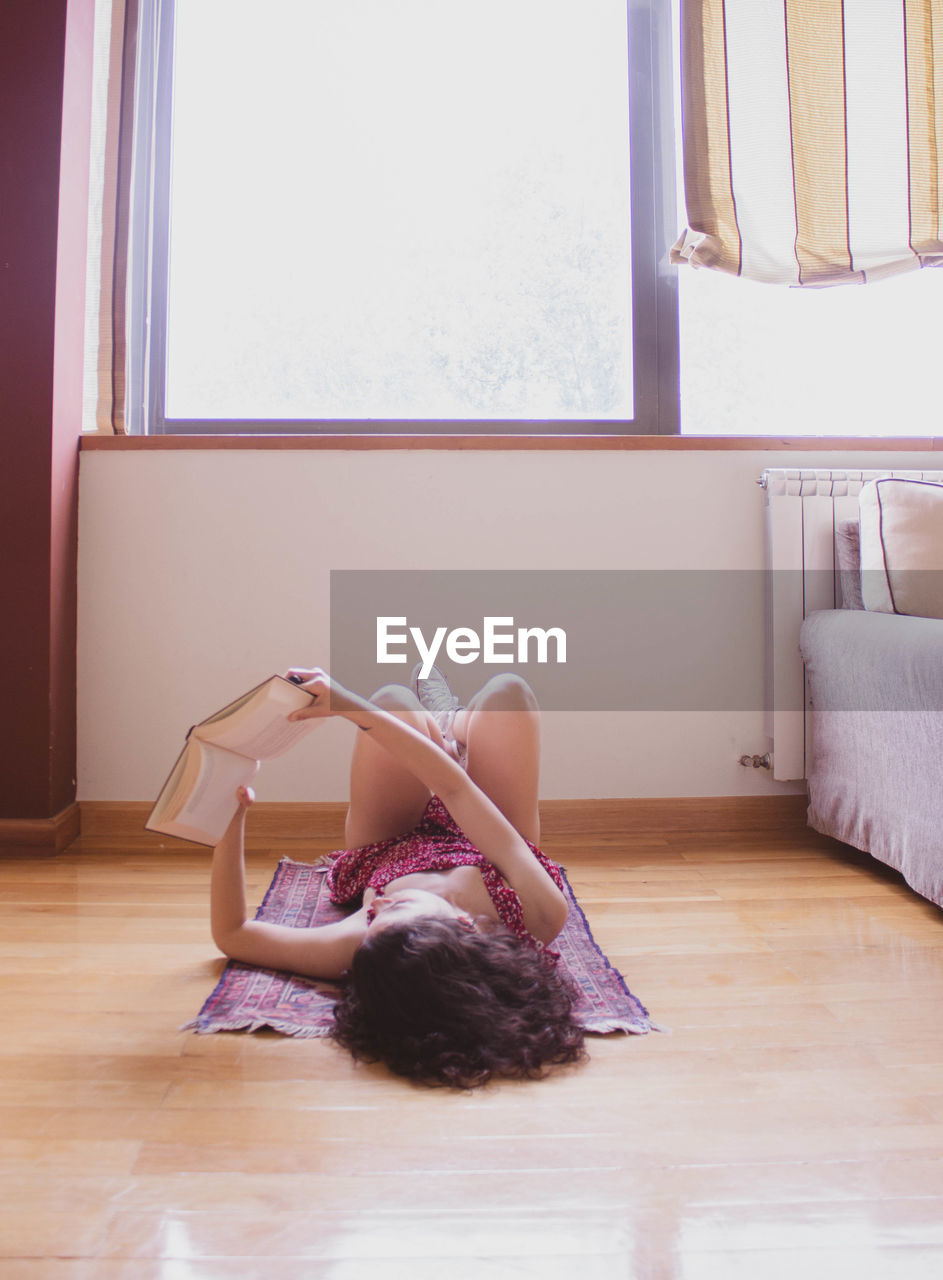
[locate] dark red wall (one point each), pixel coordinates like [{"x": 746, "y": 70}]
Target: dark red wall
[{"x": 39, "y": 431}]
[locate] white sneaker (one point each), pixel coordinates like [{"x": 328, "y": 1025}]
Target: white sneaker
[{"x": 438, "y": 699}]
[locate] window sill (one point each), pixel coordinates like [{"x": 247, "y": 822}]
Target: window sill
[{"x": 806, "y": 444}]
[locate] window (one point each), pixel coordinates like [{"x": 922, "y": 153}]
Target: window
[{"x": 412, "y": 217}]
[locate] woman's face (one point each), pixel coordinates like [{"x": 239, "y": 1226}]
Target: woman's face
[{"x": 405, "y": 906}]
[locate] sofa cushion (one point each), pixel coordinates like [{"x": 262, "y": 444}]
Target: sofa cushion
[
  {"x": 848, "y": 555},
  {"x": 902, "y": 547}
]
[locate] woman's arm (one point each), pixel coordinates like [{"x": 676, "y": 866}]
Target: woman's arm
[
  {"x": 543, "y": 904},
  {"x": 324, "y": 952}
]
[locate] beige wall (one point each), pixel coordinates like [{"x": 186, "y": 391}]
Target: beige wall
[{"x": 202, "y": 572}]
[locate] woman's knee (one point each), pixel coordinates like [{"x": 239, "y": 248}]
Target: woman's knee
[
  {"x": 507, "y": 692},
  {"x": 396, "y": 699}
]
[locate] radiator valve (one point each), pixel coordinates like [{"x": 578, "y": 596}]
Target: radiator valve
[{"x": 756, "y": 762}]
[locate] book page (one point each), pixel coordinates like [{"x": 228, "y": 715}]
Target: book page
[
  {"x": 198, "y": 801},
  {"x": 212, "y": 802},
  {"x": 183, "y": 778},
  {"x": 257, "y": 725}
]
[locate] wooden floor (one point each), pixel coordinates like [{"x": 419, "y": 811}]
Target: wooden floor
[{"x": 790, "y": 1126}]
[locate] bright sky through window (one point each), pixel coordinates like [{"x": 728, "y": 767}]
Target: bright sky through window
[
  {"x": 853, "y": 360},
  {"x": 413, "y": 210}
]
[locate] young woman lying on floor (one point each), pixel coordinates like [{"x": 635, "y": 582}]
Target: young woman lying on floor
[{"x": 447, "y": 976}]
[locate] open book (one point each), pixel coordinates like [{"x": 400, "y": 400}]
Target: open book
[{"x": 198, "y": 800}]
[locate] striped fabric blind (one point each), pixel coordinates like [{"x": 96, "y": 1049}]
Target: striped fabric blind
[{"x": 813, "y": 138}]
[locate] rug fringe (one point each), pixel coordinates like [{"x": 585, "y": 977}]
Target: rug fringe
[
  {"x": 595, "y": 1026},
  {"x": 295, "y": 1029},
  {"x": 606, "y": 1026}
]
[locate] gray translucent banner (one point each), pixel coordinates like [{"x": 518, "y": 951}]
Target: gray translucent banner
[
  {"x": 632, "y": 640},
  {"x": 628, "y": 640}
]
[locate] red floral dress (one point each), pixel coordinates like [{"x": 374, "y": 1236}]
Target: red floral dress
[{"x": 436, "y": 844}]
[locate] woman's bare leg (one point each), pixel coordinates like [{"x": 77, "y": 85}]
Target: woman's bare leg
[
  {"x": 385, "y": 798},
  {"x": 501, "y": 730}
]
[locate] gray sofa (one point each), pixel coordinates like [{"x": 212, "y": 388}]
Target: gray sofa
[{"x": 876, "y": 770}]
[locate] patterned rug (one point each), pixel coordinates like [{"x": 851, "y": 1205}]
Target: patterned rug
[{"x": 249, "y": 999}]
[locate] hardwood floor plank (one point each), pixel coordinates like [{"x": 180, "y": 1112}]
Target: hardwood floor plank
[
  {"x": 377, "y": 1238},
  {"x": 885, "y": 1263}
]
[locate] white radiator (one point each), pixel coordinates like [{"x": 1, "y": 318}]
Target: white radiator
[{"x": 803, "y": 508}]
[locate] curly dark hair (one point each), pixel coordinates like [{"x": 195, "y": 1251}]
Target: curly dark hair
[{"x": 442, "y": 1004}]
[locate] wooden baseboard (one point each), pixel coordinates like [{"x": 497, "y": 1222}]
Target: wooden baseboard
[
  {"x": 40, "y": 835},
  {"x": 117, "y": 820},
  {"x": 269, "y": 820},
  {"x": 666, "y": 815}
]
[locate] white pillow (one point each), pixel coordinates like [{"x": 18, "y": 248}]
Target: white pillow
[{"x": 902, "y": 547}]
